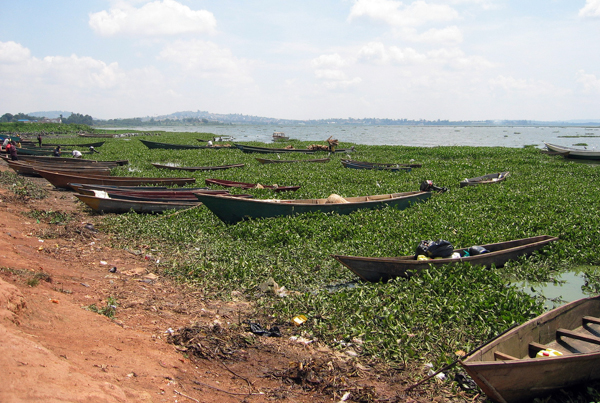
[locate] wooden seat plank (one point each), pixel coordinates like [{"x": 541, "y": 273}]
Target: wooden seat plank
[
  {"x": 577, "y": 336},
  {"x": 591, "y": 319},
  {"x": 503, "y": 357}
]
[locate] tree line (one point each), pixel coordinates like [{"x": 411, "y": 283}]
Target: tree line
[{"x": 74, "y": 118}]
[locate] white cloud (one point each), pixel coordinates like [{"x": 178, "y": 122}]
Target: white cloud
[
  {"x": 332, "y": 60},
  {"x": 591, "y": 9},
  {"x": 377, "y": 53},
  {"x": 448, "y": 35},
  {"x": 529, "y": 88},
  {"x": 207, "y": 60},
  {"x": 589, "y": 82},
  {"x": 78, "y": 84},
  {"x": 394, "y": 13},
  {"x": 163, "y": 17},
  {"x": 12, "y": 52},
  {"x": 374, "y": 51}
]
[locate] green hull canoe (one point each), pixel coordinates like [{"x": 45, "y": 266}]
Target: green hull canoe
[{"x": 232, "y": 210}]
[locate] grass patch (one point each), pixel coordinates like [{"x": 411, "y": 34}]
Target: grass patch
[{"x": 22, "y": 187}]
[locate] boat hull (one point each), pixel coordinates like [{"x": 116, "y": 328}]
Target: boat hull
[
  {"x": 485, "y": 179},
  {"x": 120, "y": 206},
  {"x": 267, "y": 150},
  {"x": 213, "y": 168},
  {"x": 232, "y": 210},
  {"x": 242, "y": 185},
  {"x": 376, "y": 269},
  {"x": 268, "y": 161},
  {"x": 377, "y": 167},
  {"x": 524, "y": 378},
  {"x": 574, "y": 153},
  {"x": 61, "y": 180}
]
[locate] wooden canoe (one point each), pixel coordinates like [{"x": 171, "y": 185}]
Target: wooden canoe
[
  {"x": 375, "y": 166},
  {"x": 169, "y": 146},
  {"x": 380, "y": 164},
  {"x": 280, "y": 136},
  {"x": 41, "y": 152},
  {"x": 268, "y": 150},
  {"x": 97, "y": 135},
  {"x": 377, "y": 269},
  {"x": 118, "y": 206},
  {"x": 232, "y": 210},
  {"x": 86, "y": 145},
  {"x": 507, "y": 369},
  {"x": 62, "y": 180},
  {"x": 485, "y": 179},
  {"x": 268, "y": 161},
  {"x": 575, "y": 153},
  {"x": 242, "y": 185},
  {"x": 213, "y": 168},
  {"x": 24, "y": 168},
  {"x": 76, "y": 161}
]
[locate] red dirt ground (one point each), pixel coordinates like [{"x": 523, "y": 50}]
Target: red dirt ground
[{"x": 52, "y": 349}]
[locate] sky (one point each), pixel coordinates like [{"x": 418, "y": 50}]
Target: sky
[{"x": 310, "y": 59}]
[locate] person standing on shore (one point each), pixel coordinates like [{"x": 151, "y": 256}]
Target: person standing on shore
[
  {"x": 39, "y": 139},
  {"x": 13, "y": 151}
]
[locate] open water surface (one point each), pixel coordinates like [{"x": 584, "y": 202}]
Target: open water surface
[{"x": 419, "y": 136}]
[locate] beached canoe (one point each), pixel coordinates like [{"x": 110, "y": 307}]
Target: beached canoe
[
  {"x": 376, "y": 269},
  {"x": 268, "y": 150},
  {"x": 169, "y": 146},
  {"x": 42, "y": 152},
  {"x": 63, "y": 180},
  {"x": 97, "y": 135},
  {"x": 232, "y": 210},
  {"x": 209, "y": 168},
  {"x": 84, "y": 145},
  {"x": 119, "y": 206},
  {"x": 520, "y": 364},
  {"x": 379, "y": 167},
  {"x": 485, "y": 179},
  {"x": 64, "y": 160},
  {"x": 280, "y": 136},
  {"x": 268, "y": 161},
  {"x": 242, "y": 185},
  {"x": 28, "y": 169},
  {"x": 575, "y": 153}
]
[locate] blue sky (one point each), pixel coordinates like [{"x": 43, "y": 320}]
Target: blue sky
[{"x": 311, "y": 59}]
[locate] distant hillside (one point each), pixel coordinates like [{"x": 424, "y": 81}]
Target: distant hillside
[{"x": 50, "y": 114}]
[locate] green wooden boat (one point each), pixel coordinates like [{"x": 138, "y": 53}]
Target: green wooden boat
[
  {"x": 43, "y": 152},
  {"x": 169, "y": 146},
  {"x": 232, "y": 210}
]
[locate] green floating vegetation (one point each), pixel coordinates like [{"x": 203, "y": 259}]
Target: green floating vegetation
[{"x": 425, "y": 317}]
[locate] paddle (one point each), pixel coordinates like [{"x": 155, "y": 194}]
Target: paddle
[{"x": 458, "y": 359}]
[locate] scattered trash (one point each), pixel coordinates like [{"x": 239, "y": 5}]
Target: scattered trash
[
  {"x": 90, "y": 227},
  {"x": 260, "y": 331},
  {"x": 113, "y": 269},
  {"x": 41, "y": 240},
  {"x": 54, "y": 301},
  {"x": 345, "y": 397},
  {"x": 464, "y": 381},
  {"x": 84, "y": 284},
  {"x": 299, "y": 319},
  {"x": 169, "y": 331},
  {"x": 300, "y": 339},
  {"x": 103, "y": 263},
  {"x": 272, "y": 286}
]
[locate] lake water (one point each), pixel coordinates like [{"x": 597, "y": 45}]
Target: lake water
[{"x": 419, "y": 136}]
